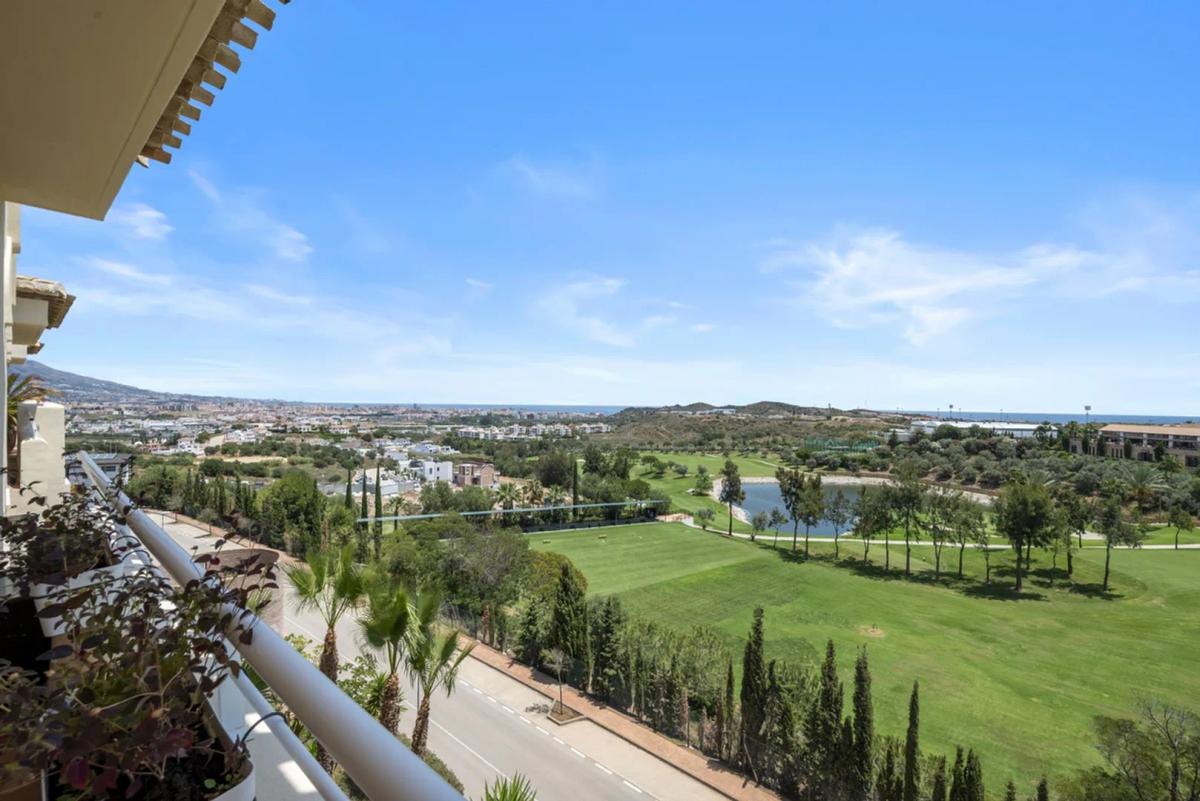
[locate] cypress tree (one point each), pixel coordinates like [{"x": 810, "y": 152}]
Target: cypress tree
[
  {"x": 863, "y": 763},
  {"x": 349, "y": 490},
  {"x": 1010, "y": 791},
  {"x": 607, "y": 668},
  {"x": 912, "y": 748},
  {"x": 685, "y": 718},
  {"x": 377, "y": 529},
  {"x": 891, "y": 783},
  {"x": 568, "y": 621},
  {"x": 785, "y": 745},
  {"x": 822, "y": 730},
  {"x": 363, "y": 508},
  {"x": 673, "y": 688},
  {"x": 722, "y": 724},
  {"x": 726, "y": 732},
  {"x": 574, "y": 488},
  {"x": 939, "y": 781},
  {"x": 844, "y": 759},
  {"x": 754, "y": 687},
  {"x": 958, "y": 791},
  {"x": 529, "y": 639},
  {"x": 1043, "y": 790},
  {"x": 973, "y": 778}
]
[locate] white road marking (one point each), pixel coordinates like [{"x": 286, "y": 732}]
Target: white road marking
[
  {"x": 526, "y": 720},
  {"x": 579, "y": 753},
  {"x": 493, "y": 700},
  {"x": 450, "y": 734},
  {"x": 606, "y": 770},
  {"x": 559, "y": 740},
  {"x": 509, "y": 709},
  {"x": 543, "y": 731},
  {"x": 631, "y": 786},
  {"x": 477, "y": 690},
  {"x": 475, "y": 753},
  {"x": 303, "y": 630}
]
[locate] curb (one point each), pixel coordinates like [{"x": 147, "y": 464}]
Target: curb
[{"x": 749, "y": 790}]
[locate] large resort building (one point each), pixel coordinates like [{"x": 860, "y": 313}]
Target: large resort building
[{"x": 1149, "y": 443}]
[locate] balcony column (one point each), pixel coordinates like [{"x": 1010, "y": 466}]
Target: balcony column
[
  {"x": 8, "y": 252},
  {"x": 41, "y": 428}
]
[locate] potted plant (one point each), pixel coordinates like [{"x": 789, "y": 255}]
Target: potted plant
[
  {"x": 74, "y": 543},
  {"x": 128, "y": 713},
  {"x": 22, "y": 702}
]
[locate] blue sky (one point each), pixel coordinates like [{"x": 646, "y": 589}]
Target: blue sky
[{"x": 995, "y": 206}]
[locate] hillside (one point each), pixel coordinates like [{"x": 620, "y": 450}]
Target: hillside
[{"x": 82, "y": 388}]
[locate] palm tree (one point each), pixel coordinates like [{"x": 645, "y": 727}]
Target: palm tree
[
  {"x": 330, "y": 583},
  {"x": 534, "y": 493},
  {"x": 515, "y": 789},
  {"x": 386, "y": 624},
  {"x": 507, "y": 495},
  {"x": 432, "y": 662},
  {"x": 1145, "y": 483}
]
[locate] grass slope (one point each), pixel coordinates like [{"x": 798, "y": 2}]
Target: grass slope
[{"x": 1018, "y": 679}]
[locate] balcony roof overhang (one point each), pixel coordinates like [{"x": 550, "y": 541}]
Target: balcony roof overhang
[{"x": 91, "y": 86}]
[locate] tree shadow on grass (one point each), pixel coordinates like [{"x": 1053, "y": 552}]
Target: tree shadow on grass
[
  {"x": 1001, "y": 591},
  {"x": 1000, "y": 588},
  {"x": 1095, "y": 589}
]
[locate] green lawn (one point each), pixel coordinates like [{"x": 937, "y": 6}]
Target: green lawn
[
  {"x": 1017, "y": 679},
  {"x": 1166, "y": 536},
  {"x": 677, "y": 488},
  {"x": 747, "y": 465}
]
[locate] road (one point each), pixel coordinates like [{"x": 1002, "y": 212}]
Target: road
[{"x": 493, "y": 725}]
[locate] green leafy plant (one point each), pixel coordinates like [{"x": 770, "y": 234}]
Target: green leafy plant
[
  {"x": 64, "y": 541},
  {"x": 516, "y": 788},
  {"x": 126, "y": 707}
]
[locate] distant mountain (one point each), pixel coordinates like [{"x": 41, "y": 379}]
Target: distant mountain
[
  {"x": 82, "y": 388},
  {"x": 759, "y": 409}
]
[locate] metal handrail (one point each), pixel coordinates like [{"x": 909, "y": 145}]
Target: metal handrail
[
  {"x": 642, "y": 504},
  {"x": 378, "y": 762}
]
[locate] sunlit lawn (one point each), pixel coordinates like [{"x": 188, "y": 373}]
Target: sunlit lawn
[{"x": 1019, "y": 679}]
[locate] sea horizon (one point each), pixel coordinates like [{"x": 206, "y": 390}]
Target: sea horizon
[{"x": 1054, "y": 417}]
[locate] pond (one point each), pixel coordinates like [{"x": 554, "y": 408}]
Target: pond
[{"x": 765, "y": 497}]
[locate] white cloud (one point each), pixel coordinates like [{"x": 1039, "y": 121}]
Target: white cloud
[
  {"x": 876, "y": 277},
  {"x": 658, "y": 321},
  {"x": 241, "y": 212},
  {"x": 477, "y": 287},
  {"x": 129, "y": 272},
  {"x": 703, "y": 328},
  {"x": 856, "y": 279},
  {"x": 206, "y": 187},
  {"x": 565, "y": 307},
  {"x": 562, "y": 180},
  {"x": 141, "y": 220},
  {"x": 270, "y": 293}
]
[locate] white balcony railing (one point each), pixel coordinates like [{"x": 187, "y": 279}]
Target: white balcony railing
[{"x": 378, "y": 762}]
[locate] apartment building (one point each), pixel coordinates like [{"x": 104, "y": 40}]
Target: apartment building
[
  {"x": 1149, "y": 443},
  {"x": 429, "y": 470},
  {"x": 475, "y": 474}
]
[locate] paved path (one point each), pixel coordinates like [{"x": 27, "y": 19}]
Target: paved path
[
  {"x": 495, "y": 725},
  {"x": 692, "y": 762}
]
